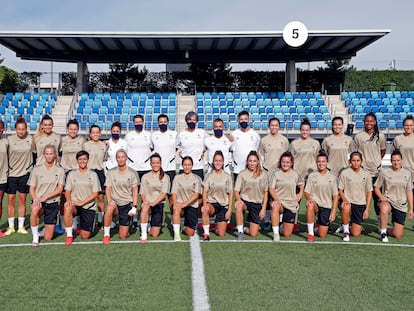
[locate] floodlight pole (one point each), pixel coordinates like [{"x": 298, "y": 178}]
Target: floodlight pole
[{"x": 290, "y": 76}]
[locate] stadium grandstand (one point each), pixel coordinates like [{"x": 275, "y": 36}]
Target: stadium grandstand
[{"x": 103, "y": 108}]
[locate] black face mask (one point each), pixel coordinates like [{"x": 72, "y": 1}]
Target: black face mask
[
  {"x": 115, "y": 136},
  {"x": 244, "y": 124},
  {"x": 163, "y": 127},
  {"x": 138, "y": 127},
  {"x": 191, "y": 125}
]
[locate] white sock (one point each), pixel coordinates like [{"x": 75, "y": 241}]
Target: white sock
[
  {"x": 239, "y": 229},
  {"x": 346, "y": 228},
  {"x": 176, "y": 228},
  {"x": 35, "y": 233},
  {"x": 100, "y": 216},
  {"x": 206, "y": 229},
  {"x": 21, "y": 222},
  {"x": 11, "y": 222},
  {"x": 74, "y": 222},
  {"x": 107, "y": 231},
  {"x": 144, "y": 231},
  {"x": 267, "y": 216},
  {"x": 135, "y": 218},
  {"x": 383, "y": 231},
  {"x": 310, "y": 229},
  {"x": 68, "y": 231},
  {"x": 275, "y": 230}
]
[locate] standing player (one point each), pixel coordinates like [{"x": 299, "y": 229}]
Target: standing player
[
  {"x": 355, "y": 191},
  {"x": 4, "y": 167},
  {"x": 270, "y": 149},
  {"x": 321, "y": 193},
  {"x": 165, "y": 144},
  {"x": 81, "y": 190},
  {"x": 97, "y": 151},
  {"x": 338, "y": 146},
  {"x": 155, "y": 186},
  {"x": 191, "y": 143},
  {"x": 405, "y": 143},
  {"x": 186, "y": 190},
  {"x": 20, "y": 155},
  {"x": 71, "y": 144},
  {"x": 245, "y": 139},
  {"x": 305, "y": 150},
  {"x": 46, "y": 185},
  {"x": 251, "y": 194},
  {"x": 282, "y": 189},
  {"x": 218, "y": 142},
  {"x": 45, "y": 136},
  {"x": 372, "y": 145},
  {"x": 121, "y": 194},
  {"x": 397, "y": 198},
  {"x": 139, "y": 146},
  {"x": 217, "y": 197},
  {"x": 114, "y": 144}
]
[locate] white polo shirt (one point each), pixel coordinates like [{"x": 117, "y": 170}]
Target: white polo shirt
[
  {"x": 165, "y": 144},
  {"x": 212, "y": 144},
  {"x": 139, "y": 147},
  {"x": 192, "y": 144},
  {"x": 243, "y": 143}
]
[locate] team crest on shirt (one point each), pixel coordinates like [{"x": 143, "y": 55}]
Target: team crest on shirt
[{"x": 194, "y": 185}]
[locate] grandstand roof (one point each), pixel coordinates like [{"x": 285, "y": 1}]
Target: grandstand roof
[{"x": 185, "y": 47}]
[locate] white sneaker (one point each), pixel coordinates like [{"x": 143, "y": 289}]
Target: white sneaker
[
  {"x": 384, "y": 237},
  {"x": 177, "y": 237},
  {"x": 340, "y": 229},
  {"x": 345, "y": 237},
  {"x": 276, "y": 238}
]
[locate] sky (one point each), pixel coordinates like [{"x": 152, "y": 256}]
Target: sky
[{"x": 217, "y": 15}]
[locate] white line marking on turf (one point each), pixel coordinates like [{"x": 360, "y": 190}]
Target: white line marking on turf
[
  {"x": 200, "y": 295},
  {"x": 217, "y": 241}
]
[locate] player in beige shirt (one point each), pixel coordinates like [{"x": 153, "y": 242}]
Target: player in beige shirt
[
  {"x": 81, "y": 190},
  {"x": 97, "y": 150},
  {"x": 217, "y": 197},
  {"x": 372, "y": 145},
  {"x": 321, "y": 193},
  {"x": 45, "y": 136},
  {"x": 282, "y": 189},
  {"x": 121, "y": 190},
  {"x": 355, "y": 191},
  {"x": 185, "y": 192},
  {"x": 71, "y": 144},
  {"x": 338, "y": 146},
  {"x": 397, "y": 197},
  {"x": 251, "y": 194},
  {"x": 46, "y": 185},
  {"x": 304, "y": 150},
  {"x": 405, "y": 143},
  {"x": 155, "y": 186},
  {"x": 4, "y": 168},
  {"x": 20, "y": 155}
]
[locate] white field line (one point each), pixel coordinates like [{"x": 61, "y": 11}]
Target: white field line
[
  {"x": 200, "y": 295},
  {"x": 218, "y": 241}
]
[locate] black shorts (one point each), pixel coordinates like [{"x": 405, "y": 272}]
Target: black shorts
[
  {"x": 141, "y": 173},
  {"x": 323, "y": 216},
  {"x": 123, "y": 214},
  {"x": 3, "y": 187},
  {"x": 398, "y": 216},
  {"x": 18, "y": 184},
  {"x": 50, "y": 211},
  {"x": 86, "y": 217},
  {"x": 190, "y": 217},
  {"x": 102, "y": 178},
  {"x": 288, "y": 216},
  {"x": 357, "y": 211},
  {"x": 220, "y": 212},
  {"x": 254, "y": 210},
  {"x": 157, "y": 214},
  {"x": 171, "y": 175}
]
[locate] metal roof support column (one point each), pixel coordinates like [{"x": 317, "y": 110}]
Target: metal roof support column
[
  {"x": 82, "y": 77},
  {"x": 290, "y": 76}
]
